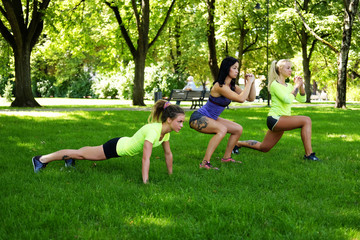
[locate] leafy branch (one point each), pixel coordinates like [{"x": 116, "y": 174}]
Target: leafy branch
[{"x": 312, "y": 31}]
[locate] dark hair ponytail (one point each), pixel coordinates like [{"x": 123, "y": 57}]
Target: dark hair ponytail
[
  {"x": 163, "y": 110},
  {"x": 224, "y": 72}
]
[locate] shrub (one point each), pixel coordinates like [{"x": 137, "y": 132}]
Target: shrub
[
  {"x": 44, "y": 87},
  {"x": 80, "y": 86},
  {"x": 114, "y": 85},
  {"x": 8, "y": 91},
  {"x": 162, "y": 78}
]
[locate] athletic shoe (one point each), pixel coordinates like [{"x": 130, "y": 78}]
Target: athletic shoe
[
  {"x": 37, "y": 164},
  {"x": 207, "y": 165},
  {"x": 236, "y": 150},
  {"x": 312, "y": 157},
  {"x": 69, "y": 162},
  {"x": 226, "y": 160}
]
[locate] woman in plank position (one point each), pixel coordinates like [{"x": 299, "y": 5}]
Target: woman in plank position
[{"x": 164, "y": 119}]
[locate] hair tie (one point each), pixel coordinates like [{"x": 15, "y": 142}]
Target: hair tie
[{"x": 166, "y": 105}]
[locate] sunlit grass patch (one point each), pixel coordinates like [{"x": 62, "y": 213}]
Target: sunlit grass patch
[
  {"x": 35, "y": 114},
  {"x": 347, "y": 138}
]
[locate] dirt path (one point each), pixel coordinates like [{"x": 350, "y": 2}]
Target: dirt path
[{"x": 38, "y": 111}]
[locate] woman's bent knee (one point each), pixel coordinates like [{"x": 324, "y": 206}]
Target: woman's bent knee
[
  {"x": 307, "y": 121},
  {"x": 265, "y": 149},
  {"x": 239, "y": 130},
  {"x": 222, "y": 132}
]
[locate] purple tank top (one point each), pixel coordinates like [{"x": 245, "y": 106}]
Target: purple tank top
[{"x": 214, "y": 106}]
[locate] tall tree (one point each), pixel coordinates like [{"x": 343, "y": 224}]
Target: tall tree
[
  {"x": 141, "y": 11},
  {"x": 240, "y": 22},
  {"x": 350, "y": 11},
  {"x": 211, "y": 39},
  {"x": 176, "y": 54},
  {"x": 305, "y": 37},
  {"x": 191, "y": 50},
  {"x": 26, "y": 24},
  {"x": 315, "y": 11}
]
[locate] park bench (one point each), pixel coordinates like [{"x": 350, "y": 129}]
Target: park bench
[
  {"x": 319, "y": 97},
  {"x": 196, "y": 97}
]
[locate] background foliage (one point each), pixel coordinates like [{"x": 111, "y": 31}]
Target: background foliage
[{"x": 82, "y": 53}]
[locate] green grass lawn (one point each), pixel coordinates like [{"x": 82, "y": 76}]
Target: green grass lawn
[{"x": 274, "y": 195}]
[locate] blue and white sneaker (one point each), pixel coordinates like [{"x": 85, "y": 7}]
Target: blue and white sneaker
[
  {"x": 69, "y": 162},
  {"x": 312, "y": 157},
  {"x": 37, "y": 164}
]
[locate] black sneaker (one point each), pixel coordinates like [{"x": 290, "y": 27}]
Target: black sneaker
[
  {"x": 37, "y": 164},
  {"x": 69, "y": 162},
  {"x": 312, "y": 157},
  {"x": 236, "y": 150}
]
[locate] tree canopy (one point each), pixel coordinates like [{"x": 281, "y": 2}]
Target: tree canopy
[{"x": 129, "y": 49}]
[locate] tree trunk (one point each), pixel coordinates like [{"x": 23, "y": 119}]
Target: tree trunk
[
  {"x": 306, "y": 56},
  {"x": 138, "y": 92},
  {"x": 314, "y": 88},
  {"x": 177, "y": 36},
  {"x": 23, "y": 92},
  {"x": 350, "y": 13},
  {"x": 341, "y": 82},
  {"x": 214, "y": 68},
  {"x": 241, "y": 48},
  {"x": 306, "y": 60},
  {"x": 22, "y": 37},
  {"x": 307, "y": 72},
  {"x": 142, "y": 17},
  {"x": 176, "y": 54}
]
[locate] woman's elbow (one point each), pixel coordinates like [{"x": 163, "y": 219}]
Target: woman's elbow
[
  {"x": 241, "y": 100},
  {"x": 250, "y": 99}
]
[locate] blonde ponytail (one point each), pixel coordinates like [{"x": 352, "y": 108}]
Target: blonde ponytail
[{"x": 274, "y": 70}]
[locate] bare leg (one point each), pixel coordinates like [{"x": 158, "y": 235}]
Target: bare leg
[
  {"x": 235, "y": 130},
  {"x": 218, "y": 127},
  {"x": 210, "y": 126},
  {"x": 292, "y": 122},
  {"x": 285, "y": 123},
  {"x": 88, "y": 153},
  {"x": 270, "y": 140}
]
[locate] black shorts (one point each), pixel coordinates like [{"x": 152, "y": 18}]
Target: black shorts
[
  {"x": 271, "y": 122},
  {"x": 110, "y": 148},
  {"x": 195, "y": 116}
]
